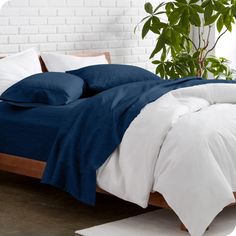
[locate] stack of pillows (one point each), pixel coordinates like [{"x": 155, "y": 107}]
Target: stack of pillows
[{"x": 23, "y": 83}]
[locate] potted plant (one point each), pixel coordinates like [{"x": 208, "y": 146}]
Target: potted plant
[{"x": 179, "y": 55}]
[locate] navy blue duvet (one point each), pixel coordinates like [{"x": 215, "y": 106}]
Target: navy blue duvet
[{"x": 93, "y": 130}]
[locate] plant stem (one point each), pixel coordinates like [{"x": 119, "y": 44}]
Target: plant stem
[
  {"x": 214, "y": 46},
  {"x": 209, "y": 32},
  {"x": 190, "y": 40},
  {"x": 203, "y": 57},
  {"x": 199, "y": 38}
]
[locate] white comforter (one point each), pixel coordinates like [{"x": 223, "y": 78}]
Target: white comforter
[{"x": 183, "y": 145}]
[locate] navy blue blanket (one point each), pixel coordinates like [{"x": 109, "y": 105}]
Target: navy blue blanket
[{"x": 95, "y": 128}]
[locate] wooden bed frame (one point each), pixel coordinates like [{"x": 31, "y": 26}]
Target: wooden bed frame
[{"x": 33, "y": 168}]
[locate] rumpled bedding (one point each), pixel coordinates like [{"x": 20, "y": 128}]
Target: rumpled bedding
[
  {"x": 174, "y": 137},
  {"x": 182, "y": 145}
]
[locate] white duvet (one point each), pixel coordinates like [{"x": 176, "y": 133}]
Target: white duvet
[{"x": 183, "y": 145}]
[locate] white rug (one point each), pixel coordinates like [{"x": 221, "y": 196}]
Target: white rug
[{"x": 161, "y": 223}]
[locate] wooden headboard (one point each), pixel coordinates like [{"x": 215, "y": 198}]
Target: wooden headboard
[
  {"x": 79, "y": 54},
  {"x": 94, "y": 54}
]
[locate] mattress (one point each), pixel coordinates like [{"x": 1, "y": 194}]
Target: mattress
[{"x": 31, "y": 132}]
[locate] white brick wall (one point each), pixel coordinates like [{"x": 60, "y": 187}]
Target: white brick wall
[{"x": 76, "y": 25}]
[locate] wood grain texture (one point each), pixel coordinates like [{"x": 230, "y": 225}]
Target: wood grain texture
[
  {"x": 94, "y": 54},
  {"x": 21, "y": 165}
]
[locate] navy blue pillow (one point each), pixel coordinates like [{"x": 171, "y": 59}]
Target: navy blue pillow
[
  {"x": 101, "y": 77},
  {"x": 51, "y": 88}
]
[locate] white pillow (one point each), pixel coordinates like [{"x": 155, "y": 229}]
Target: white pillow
[
  {"x": 62, "y": 63},
  {"x": 17, "y": 67}
]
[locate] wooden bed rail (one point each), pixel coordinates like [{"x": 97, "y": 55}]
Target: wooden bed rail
[
  {"x": 21, "y": 165},
  {"x": 33, "y": 168}
]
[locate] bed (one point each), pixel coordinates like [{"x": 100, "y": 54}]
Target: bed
[
  {"x": 25, "y": 164},
  {"x": 34, "y": 168}
]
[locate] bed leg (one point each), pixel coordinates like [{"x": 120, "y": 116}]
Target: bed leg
[{"x": 183, "y": 228}]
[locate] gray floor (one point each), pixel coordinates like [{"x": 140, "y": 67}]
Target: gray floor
[{"x": 28, "y": 208}]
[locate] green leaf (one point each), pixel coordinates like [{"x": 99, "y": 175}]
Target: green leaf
[
  {"x": 155, "y": 30},
  {"x": 160, "y": 70},
  {"x": 198, "y": 8},
  {"x": 140, "y": 23},
  {"x": 158, "y": 7},
  {"x": 218, "y": 67},
  {"x": 167, "y": 36},
  {"x": 205, "y": 3},
  {"x": 234, "y": 10},
  {"x": 194, "y": 18},
  {"x": 174, "y": 17},
  {"x": 160, "y": 44},
  {"x": 196, "y": 54},
  {"x": 148, "y": 8},
  {"x": 227, "y": 21},
  {"x": 211, "y": 19},
  {"x": 163, "y": 55},
  {"x": 184, "y": 22},
  {"x": 220, "y": 23},
  {"x": 169, "y": 7},
  {"x": 182, "y": 1},
  {"x": 193, "y": 1},
  {"x": 156, "y": 62},
  {"x": 208, "y": 12},
  {"x": 156, "y": 22},
  {"x": 146, "y": 28},
  {"x": 219, "y": 6},
  {"x": 156, "y": 25},
  {"x": 176, "y": 38}
]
